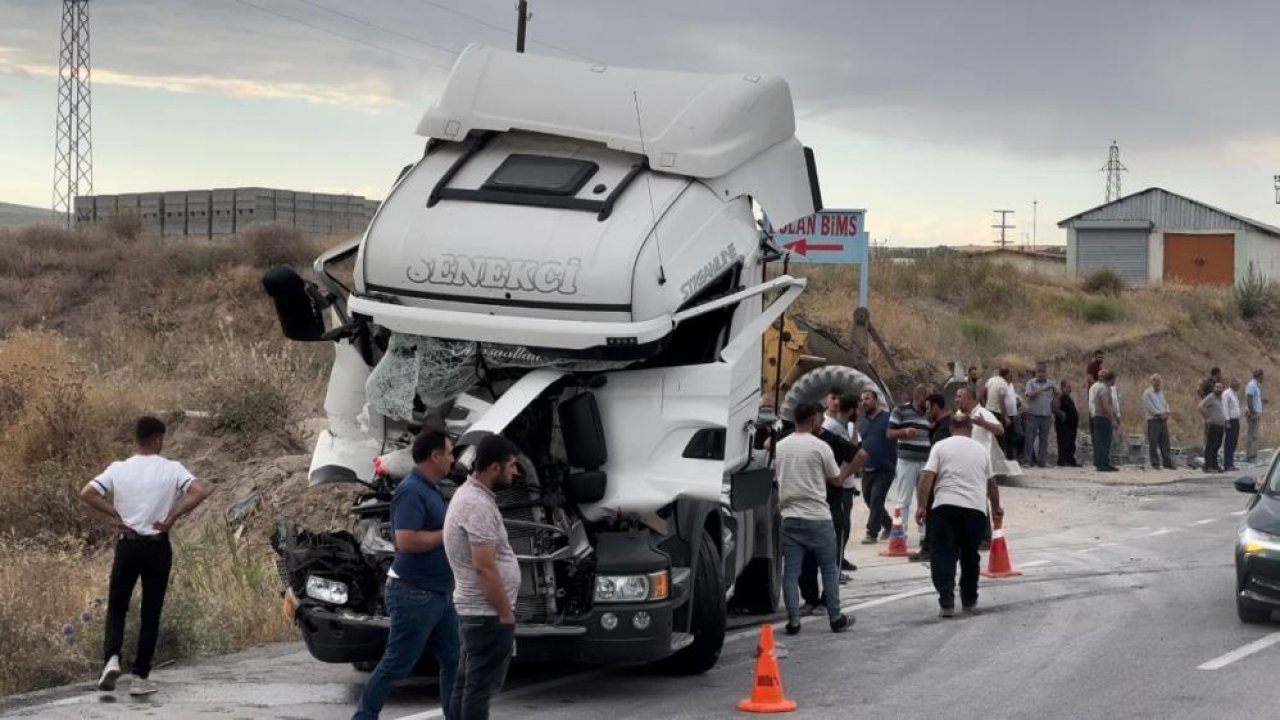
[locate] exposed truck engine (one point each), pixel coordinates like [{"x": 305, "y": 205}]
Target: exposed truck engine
[{"x": 577, "y": 263}]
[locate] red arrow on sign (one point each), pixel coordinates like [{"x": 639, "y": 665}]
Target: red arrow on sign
[{"x": 803, "y": 246}]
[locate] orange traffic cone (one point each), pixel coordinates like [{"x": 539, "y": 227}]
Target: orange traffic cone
[
  {"x": 766, "y": 691},
  {"x": 897, "y": 538},
  {"x": 998, "y": 563}
]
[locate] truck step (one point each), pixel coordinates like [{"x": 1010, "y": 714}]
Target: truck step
[{"x": 680, "y": 641}]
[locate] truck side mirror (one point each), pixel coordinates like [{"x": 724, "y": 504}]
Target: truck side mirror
[{"x": 297, "y": 305}]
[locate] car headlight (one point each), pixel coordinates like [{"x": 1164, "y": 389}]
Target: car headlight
[
  {"x": 1253, "y": 541},
  {"x": 633, "y": 588},
  {"x": 325, "y": 590}
]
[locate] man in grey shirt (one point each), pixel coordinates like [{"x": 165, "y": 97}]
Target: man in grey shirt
[
  {"x": 1040, "y": 391},
  {"x": 486, "y": 577},
  {"x": 1157, "y": 410},
  {"x": 1215, "y": 426}
]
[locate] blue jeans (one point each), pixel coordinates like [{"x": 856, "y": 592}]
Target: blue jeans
[
  {"x": 819, "y": 537},
  {"x": 420, "y": 620}
]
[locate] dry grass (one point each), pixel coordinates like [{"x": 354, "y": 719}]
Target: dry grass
[
  {"x": 223, "y": 597},
  {"x": 944, "y": 307},
  {"x": 97, "y": 326}
]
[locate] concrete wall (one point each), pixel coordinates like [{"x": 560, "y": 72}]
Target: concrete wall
[{"x": 225, "y": 211}]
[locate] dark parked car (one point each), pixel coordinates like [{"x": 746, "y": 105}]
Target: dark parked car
[{"x": 1258, "y": 548}]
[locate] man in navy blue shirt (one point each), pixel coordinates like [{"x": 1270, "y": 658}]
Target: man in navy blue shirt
[
  {"x": 880, "y": 462},
  {"x": 419, "y": 590}
]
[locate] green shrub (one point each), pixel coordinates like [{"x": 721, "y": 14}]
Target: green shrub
[
  {"x": 1104, "y": 281},
  {"x": 1253, "y": 293},
  {"x": 977, "y": 331},
  {"x": 1101, "y": 310}
]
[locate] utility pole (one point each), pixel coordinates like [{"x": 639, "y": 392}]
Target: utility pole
[
  {"x": 1035, "y": 206},
  {"x": 73, "y": 149},
  {"x": 1276, "y": 179},
  {"x": 1003, "y": 226},
  {"x": 522, "y": 7},
  {"x": 1113, "y": 168}
]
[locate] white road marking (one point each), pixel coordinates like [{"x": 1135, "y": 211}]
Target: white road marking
[
  {"x": 1163, "y": 531},
  {"x": 1206, "y": 521},
  {"x": 1243, "y": 652},
  {"x": 1097, "y": 547},
  {"x": 1036, "y": 563},
  {"x": 1140, "y": 529},
  {"x": 1238, "y": 513}
]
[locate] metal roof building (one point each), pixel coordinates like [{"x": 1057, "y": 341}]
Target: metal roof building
[{"x": 1160, "y": 236}]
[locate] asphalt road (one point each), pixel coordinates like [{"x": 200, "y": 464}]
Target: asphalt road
[{"x": 1130, "y": 619}]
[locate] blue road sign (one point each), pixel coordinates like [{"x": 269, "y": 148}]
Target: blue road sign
[{"x": 829, "y": 237}]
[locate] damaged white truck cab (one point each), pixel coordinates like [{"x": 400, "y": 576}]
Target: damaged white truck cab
[{"x": 575, "y": 263}]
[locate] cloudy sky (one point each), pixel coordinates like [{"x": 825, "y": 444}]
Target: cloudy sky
[{"x": 928, "y": 114}]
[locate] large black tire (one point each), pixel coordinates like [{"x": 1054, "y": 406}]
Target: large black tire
[
  {"x": 813, "y": 387},
  {"x": 709, "y": 615},
  {"x": 1250, "y": 614}
]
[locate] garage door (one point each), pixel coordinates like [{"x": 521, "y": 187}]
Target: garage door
[
  {"x": 1124, "y": 250},
  {"x": 1200, "y": 258}
]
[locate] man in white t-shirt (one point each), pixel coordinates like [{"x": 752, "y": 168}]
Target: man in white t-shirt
[
  {"x": 804, "y": 467},
  {"x": 958, "y": 473},
  {"x": 148, "y": 493}
]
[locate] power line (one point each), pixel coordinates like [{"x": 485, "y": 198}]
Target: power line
[
  {"x": 348, "y": 38},
  {"x": 500, "y": 28},
  {"x": 375, "y": 26}
]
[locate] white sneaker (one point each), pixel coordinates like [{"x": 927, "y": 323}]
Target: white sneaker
[
  {"x": 110, "y": 674},
  {"x": 142, "y": 686}
]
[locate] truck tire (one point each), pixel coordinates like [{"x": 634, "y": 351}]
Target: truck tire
[
  {"x": 709, "y": 615},
  {"x": 813, "y": 387},
  {"x": 758, "y": 590}
]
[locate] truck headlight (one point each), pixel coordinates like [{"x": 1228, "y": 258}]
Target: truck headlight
[
  {"x": 633, "y": 588},
  {"x": 325, "y": 590},
  {"x": 1253, "y": 541}
]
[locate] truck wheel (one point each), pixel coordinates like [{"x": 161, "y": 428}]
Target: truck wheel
[
  {"x": 813, "y": 387},
  {"x": 759, "y": 589},
  {"x": 709, "y": 615}
]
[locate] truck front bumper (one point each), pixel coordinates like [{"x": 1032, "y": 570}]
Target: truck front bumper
[
  {"x": 589, "y": 640},
  {"x": 341, "y": 637}
]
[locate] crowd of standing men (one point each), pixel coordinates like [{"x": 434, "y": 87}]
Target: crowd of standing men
[{"x": 948, "y": 462}]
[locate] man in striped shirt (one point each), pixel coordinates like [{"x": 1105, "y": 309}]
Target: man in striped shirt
[{"x": 909, "y": 425}]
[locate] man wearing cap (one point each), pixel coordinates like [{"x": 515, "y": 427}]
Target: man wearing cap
[{"x": 959, "y": 476}]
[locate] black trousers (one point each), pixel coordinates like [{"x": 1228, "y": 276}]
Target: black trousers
[
  {"x": 1212, "y": 444},
  {"x": 1230, "y": 443},
  {"x": 149, "y": 560},
  {"x": 1158, "y": 443},
  {"x": 955, "y": 533},
  {"x": 487, "y": 646},
  {"x": 875, "y": 490},
  {"x": 1066, "y": 443}
]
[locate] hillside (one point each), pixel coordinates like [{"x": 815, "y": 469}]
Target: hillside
[{"x": 16, "y": 216}]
